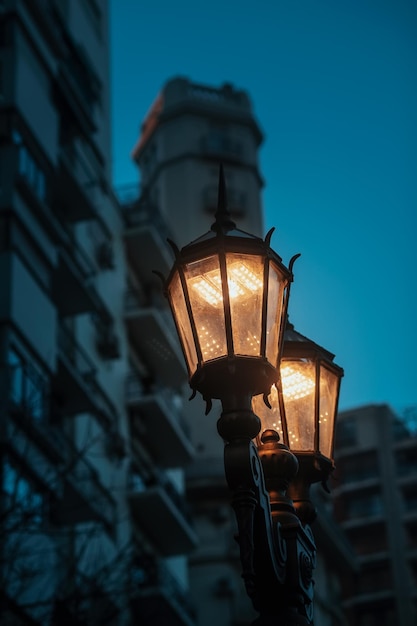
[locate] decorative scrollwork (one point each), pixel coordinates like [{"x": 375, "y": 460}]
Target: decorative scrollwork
[{"x": 306, "y": 569}]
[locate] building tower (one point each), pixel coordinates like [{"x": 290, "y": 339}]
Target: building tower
[
  {"x": 88, "y": 488},
  {"x": 188, "y": 131},
  {"x": 375, "y": 501}
]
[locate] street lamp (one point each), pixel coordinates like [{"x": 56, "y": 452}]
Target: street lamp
[
  {"x": 302, "y": 409},
  {"x": 228, "y": 292}
]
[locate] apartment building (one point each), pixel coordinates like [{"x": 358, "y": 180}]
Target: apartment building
[
  {"x": 93, "y": 519},
  {"x": 189, "y": 130},
  {"x": 375, "y": 501}
]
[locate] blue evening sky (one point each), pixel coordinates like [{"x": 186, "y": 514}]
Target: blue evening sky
[{"x": 334, "y": 87}]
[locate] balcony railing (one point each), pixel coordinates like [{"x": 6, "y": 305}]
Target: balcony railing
[
  {"x": 81, "y": 184},
  {"x": 153, "y": 413},
  {"x": 75, "y": 379},
  {"x": 157, "y": 505},
  {"x": 79, "y": 86},
  {"x": 153, "y": 333},
  {"x": 140, "y": 213},
  {"x": 145, "y": 238},
  {"x": 78, "y": 358},
  {"x": 87, "y": 497},
  {"x": 74, "y": 291}
]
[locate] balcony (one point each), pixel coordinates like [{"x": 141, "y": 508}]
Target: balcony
[
  {"x": 156, "y": 596},
  {"x": 85, "y": 497},
  {"x": 43, "y": 13},
  {"x": 145, "y": 238},
  {"x": 364, "y": 519},
  {"x": 24, "y": 446},
  {"x": 72, "y": 283},
  {"x": 78, "y": 201},
  {"x": 153, "y": 333},
  {"x": 78, "y": 88},
  {"x": 161, "y": 512},
  {"x": 156, "y": 422},
  {"x": 49, "y": 452},
  {"x": 75, "y": 380}
]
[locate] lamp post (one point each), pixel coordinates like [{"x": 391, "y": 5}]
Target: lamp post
[{"x": 228, "y": 292}]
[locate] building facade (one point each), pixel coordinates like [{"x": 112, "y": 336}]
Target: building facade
[
  {"x": 375, "y": 502},
  {"x": 93, "y": 524}
]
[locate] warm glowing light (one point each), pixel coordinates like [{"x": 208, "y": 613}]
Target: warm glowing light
[
  {"x": 295, "y": 385},
  {"x": 207, "y": 290},
  {"x": 242, "y": 282}
]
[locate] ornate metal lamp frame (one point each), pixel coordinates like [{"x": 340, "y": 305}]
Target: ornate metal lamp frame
[{"x": 277, "y": 549}]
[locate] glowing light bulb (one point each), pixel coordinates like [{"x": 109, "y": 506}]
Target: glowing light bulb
[
  {"x": 207, "y": 291},
  {"x": 295, "y": 385},
  {"x": 242, "y": 282}
]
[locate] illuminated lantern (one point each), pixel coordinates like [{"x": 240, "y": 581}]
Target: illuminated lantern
[
  {"x": 304, "y": 407},
  {"x": 228, "y": 292}
]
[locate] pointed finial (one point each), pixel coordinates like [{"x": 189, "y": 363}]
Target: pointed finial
[
  {"x": 222, "y": 192},
  {"x": 223, "y": 222}
]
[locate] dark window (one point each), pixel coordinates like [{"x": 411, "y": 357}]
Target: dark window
[
  {"x": 28, "y": 388},
  {"x": 368, "y": 541},
  {"x": 367, "y": 504},
  {"x": 410, "y": 500},
  {"x": 399, "y": 430},
  {"x": 346, "y": 434},
  {"x": 359, "y": 467},
  {"x": 377, "y": 615},
  {"x": 24, "y": 501},
  {"x": 406, "y": 462},
  {"x": 377, "y": 577},
  {"x": 411, "y": 535},
  {"x": 29, "y": 169}
]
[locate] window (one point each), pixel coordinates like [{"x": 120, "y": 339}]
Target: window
[
  {"x": 29, "y": 169},
  {"x": 24, "y": 502},
  {"x": 410, "y": 501},
  {"x": 369, "y": 540},
  {"x": 406, "y": 462},
  {"x": 367, "y": 504},
  {"x": 136, "y": 482},
  {"x": 382, "y": 615},
  {"x": 377, "y": 577},
  {"x": 411, "y": 535},
  {"x": 28, "y": 387},
  {"x": 361, "y": 466},
  {"x": 346, "y": 434}
]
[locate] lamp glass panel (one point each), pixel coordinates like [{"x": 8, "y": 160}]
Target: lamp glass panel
[
  {"x": 328, "y": 396},
  {"x": 206, "y": 298},
  {"x": 298, "y": 379},
  {"x": 270, "y": 417},
  {"x": 274, "y": 313},
  {"x": 177, "y": 300},
  {"x": 245, "y": 277}
]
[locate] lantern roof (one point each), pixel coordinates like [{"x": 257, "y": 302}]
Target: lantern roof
[{"x": 295, "y": 343}]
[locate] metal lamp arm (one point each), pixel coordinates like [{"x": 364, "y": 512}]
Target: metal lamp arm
[
  {"x": 277, "y": 553},
  {"x": 262, "y": 550}
]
